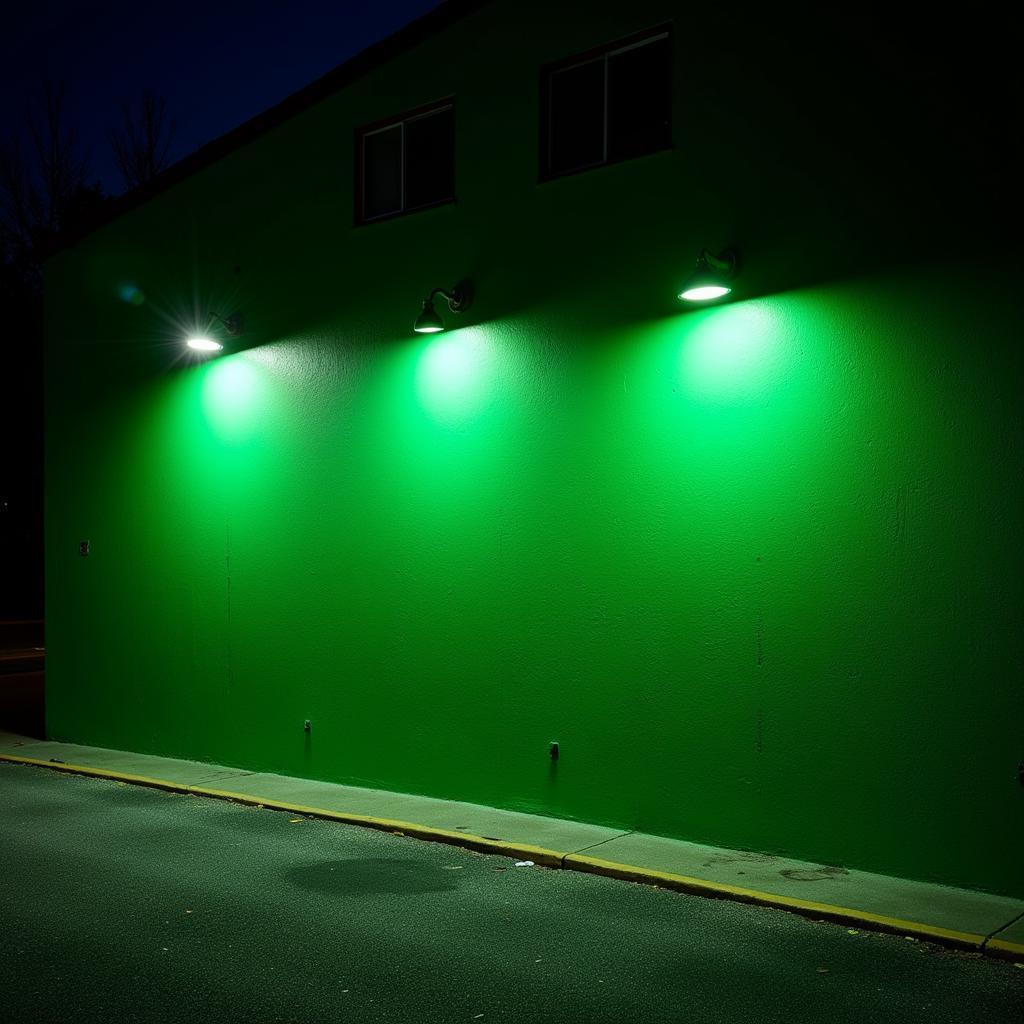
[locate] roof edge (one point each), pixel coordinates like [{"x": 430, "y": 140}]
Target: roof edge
[{"x": 436, "y": 20}]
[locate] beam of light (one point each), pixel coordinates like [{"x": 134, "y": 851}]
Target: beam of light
[
  {"x": 735, "y": 352},
  {"x": 453, "y": 374},
  {"x": 234, "y": 397}
]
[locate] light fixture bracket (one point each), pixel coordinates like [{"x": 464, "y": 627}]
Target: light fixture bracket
[
  {"x": 459, "y": 299},
  {"x": 727, "y": 262},
  {"x": 233, "y": 324}
]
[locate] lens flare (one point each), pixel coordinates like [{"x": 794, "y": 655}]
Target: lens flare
[{"x": 131, "y": 294}]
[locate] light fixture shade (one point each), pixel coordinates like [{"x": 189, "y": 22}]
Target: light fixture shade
[
  {"x": 710, "y": 278},
  {"x": 429, "y": 321},
  {"x": 204, "y": 344}
]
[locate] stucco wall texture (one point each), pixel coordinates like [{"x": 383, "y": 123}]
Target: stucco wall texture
[{"x": 755, "y": 567}]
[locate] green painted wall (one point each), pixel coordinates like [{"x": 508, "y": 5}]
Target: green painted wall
[{"x": 756, "y": 568}]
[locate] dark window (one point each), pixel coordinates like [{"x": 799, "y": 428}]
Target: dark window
[
  {"x": 610, "y": 104},
  {"x": 405, "y": 164},
  {"x": 577, "y": 117},
  {"x": 382, "y": 160}
]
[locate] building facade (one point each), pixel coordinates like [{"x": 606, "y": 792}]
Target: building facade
[{"x": 754, "y": 566}]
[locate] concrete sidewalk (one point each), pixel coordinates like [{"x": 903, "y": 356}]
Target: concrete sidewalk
[{"x": 957, "y": 917}]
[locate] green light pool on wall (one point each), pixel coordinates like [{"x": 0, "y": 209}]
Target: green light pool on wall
[
  {"x": 459, "y": 298},
  {"x": 711, "y": 277},
  {"x": 204, "y": 344}
]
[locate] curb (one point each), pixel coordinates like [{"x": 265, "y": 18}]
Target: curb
[
  {"x": 1005, "y": 950},
  {"x": 523, "y": 851},
  {"x": 572, "y": 862},
  {"x": 805, "y": 908}
]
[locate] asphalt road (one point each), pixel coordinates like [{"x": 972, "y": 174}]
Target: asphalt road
[{"x": 125, "y": 904}]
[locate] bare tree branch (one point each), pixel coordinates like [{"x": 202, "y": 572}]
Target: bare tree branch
[{"x": 143, "y": 141}]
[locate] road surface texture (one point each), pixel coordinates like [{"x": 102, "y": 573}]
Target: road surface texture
[{"x": 119, "y": 903}]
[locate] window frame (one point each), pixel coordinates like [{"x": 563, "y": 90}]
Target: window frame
[
  {"x": 606, "y": 50},
  {"x": 359, "y": 159}
]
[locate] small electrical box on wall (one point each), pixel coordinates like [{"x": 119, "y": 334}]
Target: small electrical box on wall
[
  {"x": 83, "y": 548},
  {"x": 554, "y": 751}
]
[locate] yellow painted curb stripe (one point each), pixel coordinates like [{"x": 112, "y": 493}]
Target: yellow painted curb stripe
[
  {"x": 101, "y": 773},
  {"x": 571, "y": 861},
  {"x": 806, "y": 908},
  {"x": 1007, "y": 950},
  {"x": 524, "y": 851}
]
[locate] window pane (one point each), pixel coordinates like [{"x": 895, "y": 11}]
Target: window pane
[
  {"x": 576, "y": 117},
  {"x": 639, "y": 100},
  {"x": 430, "y": 159},
  {"x": 382, "y": 172}
]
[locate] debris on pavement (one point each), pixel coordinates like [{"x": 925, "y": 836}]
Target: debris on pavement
[{"x": 524, "y": 863}]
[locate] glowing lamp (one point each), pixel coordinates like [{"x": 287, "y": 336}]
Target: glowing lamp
[
  {"x": 205, "y": 344},
  {"x": 459, "y": 298},
  {"x": 429, "y": 321},
  {"x": 711, "y": 277}
]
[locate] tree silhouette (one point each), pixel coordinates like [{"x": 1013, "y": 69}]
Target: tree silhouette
[
  {"x": 142, "y": 142},
  {"x": 44, "y": 193},
  {"x": 43, "y": 186}
]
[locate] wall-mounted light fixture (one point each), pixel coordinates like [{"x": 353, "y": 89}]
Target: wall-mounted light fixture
[
  {"x": 459, "y": 298},
  {"x": 203, "y": 342},
  {"x": 710, "y": 278}
]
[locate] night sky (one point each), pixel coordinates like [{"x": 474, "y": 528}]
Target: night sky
[{"x": 217, "y": 64}]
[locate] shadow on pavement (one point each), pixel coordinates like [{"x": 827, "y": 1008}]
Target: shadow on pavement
[{"x": 371, "y": 877}]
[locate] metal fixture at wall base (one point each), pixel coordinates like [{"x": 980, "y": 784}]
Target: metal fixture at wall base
[
  {"x": 710, "y": 278},
  {"x": 205, "y": 344},
  {"x": 459, "y": 299}
]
